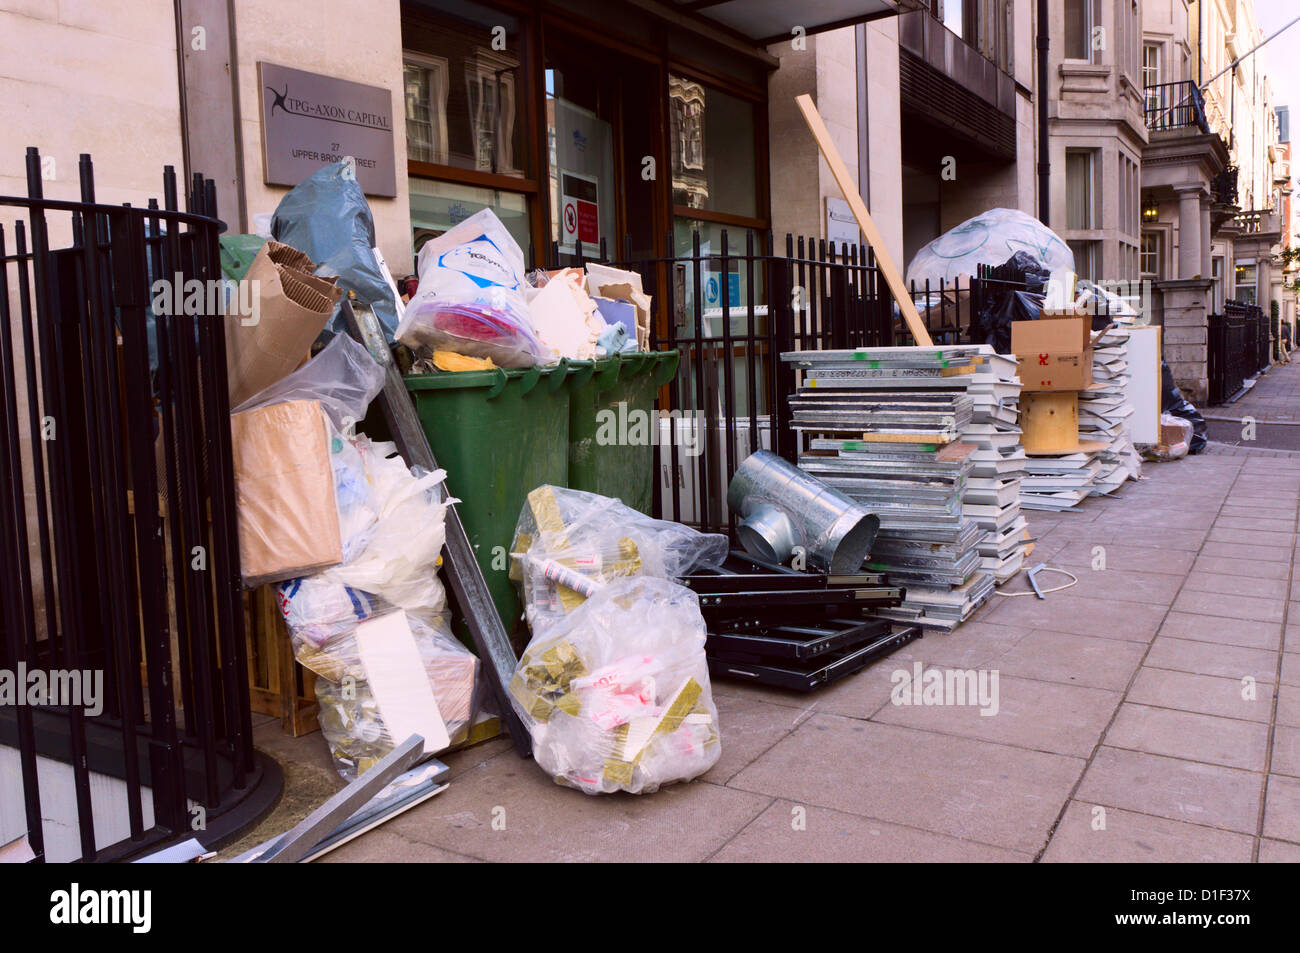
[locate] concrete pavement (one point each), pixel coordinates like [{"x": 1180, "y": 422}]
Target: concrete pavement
[
  {"x": 1150, "y": 712},
  {"x": 1268, "y": 415}
]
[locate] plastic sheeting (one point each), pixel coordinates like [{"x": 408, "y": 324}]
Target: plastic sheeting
[{"x": 988, "y": 239}]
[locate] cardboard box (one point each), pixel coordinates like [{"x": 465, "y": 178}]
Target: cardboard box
[
  {"x": 1054, "y": 353},
  {"x": 1083, "y": 322},
  {"x": 284, "y": 491}
]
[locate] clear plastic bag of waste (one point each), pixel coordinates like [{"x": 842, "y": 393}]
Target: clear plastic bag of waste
[{"x": 616, "y": 693}]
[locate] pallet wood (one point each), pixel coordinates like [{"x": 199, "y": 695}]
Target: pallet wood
[{"x": 277, "y": 684}]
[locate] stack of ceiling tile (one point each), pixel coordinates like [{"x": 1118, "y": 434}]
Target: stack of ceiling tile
[
  {"x": 1104, "y": 411},
  {"x": 1058, "y": 482},
  {"x": 884, "y": 426},
  {"x": 992, "y": 496}
]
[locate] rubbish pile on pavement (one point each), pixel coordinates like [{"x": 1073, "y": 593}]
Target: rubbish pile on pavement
[{"x": 903, "y": 513}]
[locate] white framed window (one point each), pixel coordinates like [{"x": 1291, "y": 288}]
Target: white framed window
[
  {"x": 424, "y": 81},
  {"x": 1150, "y": 259},
  {"x": 1247, "y": 277},
  {"x": 490, "y": 82},
  {"x": 1151, "y": 57}
]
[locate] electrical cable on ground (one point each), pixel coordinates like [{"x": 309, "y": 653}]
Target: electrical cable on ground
[{"x": 1030, "y": 592}]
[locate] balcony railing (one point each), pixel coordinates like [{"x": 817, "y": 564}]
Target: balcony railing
[
  {"x": 1255, "y": 221},
  {"x": 1175, "y": 106}
]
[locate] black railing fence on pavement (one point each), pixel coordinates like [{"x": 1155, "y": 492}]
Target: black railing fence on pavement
[
  {"x": 1237, "y": 348},
  {"x": 118, "y": 541}
]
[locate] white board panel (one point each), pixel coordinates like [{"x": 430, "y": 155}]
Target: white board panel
[{"x": 1144, "y": 384}]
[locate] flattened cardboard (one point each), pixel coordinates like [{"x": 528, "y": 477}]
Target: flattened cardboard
[
  {"x": 1051, "y": 355},
  {"x": 293, "y": 306}
]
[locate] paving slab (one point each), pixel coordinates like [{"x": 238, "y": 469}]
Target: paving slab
[
  {"x": 1222, "y": 630},
  {"x": 749, "y": 727},
  {"x": 1190, "y": 736},
  {"x": 974, "y": 644},
  {"x": 1235, "y": 566},
  {"x": 1236, "y": 607},
  {"x": 1278, "y": 852},
  {"x": 1205, "y": 694},
  {"x": 383, "y": 846},
  {"x": 1201, "y": 581},
  {"x": 1126, "y": 557},
  {"x": 1286, "y": 751},
  {"x": 1277, "y": 539},
  {"x": 1288, "y": 705},
  {"x": 1290, "y": 671},
  {"x": 1073, "y": 659},
  {"x": 1209, "y": 658},
  {"x": 1080, "y": 615},
  {"x": 508, "y": 809},
  {"x": 1282, "y": 809},
  {"x": 965, "y": 788},
  {"x": 1041, "y": 716},
  {"x": 1092, "y": 834},
  {"x": 1210, "y": 795},
  {"x": 1272, "y": 554},
  {"x": 798, "y": 833}
]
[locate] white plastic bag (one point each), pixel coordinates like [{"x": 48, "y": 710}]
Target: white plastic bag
[
  {"x": 989, "y": 238},
  {"x": 399, "y": 558},
  {"x": 616, "y": 694},
  {"x": 322, "y": 618},
  {"x": 343, "y": 377},
  {"x": 470, "y": 298}
]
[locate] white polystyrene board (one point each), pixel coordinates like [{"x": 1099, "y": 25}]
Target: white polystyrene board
[
  {"x": 1143, "y": 390},
  {"x": 399, "y": 681}
]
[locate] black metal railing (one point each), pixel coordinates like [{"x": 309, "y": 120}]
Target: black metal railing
[
  {"x": 118, "y": 543},
  {"x": 731, "y": 311},
  {"x": 1177, "y": 105},
  {"x": 1237, "y": 348}
]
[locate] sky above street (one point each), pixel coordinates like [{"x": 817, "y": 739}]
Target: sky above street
[{"x": 1281, "y": 57}]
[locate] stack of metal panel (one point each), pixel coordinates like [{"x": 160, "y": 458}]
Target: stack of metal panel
[
  {"x": 773, "y": 625},
  {"x": 1104, "y": 411},
  {"x": 884, "y": 427},
  {"x": 992, "y": 495}
]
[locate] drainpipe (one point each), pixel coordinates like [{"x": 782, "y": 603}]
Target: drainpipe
[{"x": 1044, "y": 161}]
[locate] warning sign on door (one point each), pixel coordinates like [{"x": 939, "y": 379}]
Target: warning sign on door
[{"x": 579, "y": 212}]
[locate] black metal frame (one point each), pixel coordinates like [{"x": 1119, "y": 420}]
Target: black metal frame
[{"x": 123, "y": 583}]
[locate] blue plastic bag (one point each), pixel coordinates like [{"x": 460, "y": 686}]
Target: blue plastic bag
[{"x": 327, "y": 217}]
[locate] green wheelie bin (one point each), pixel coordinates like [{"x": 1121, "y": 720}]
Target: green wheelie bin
[
  {"x": 498, "y": 434},
  {"x": 613, "y": 426}
]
